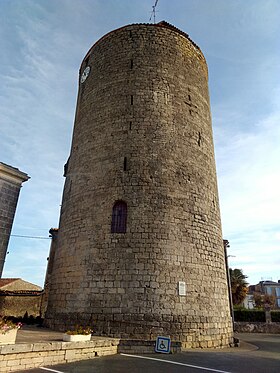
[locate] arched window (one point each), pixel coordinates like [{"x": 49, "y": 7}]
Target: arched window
[{"x": 119, "y": 215}]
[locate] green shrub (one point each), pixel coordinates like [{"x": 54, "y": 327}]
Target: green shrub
[
  {"x": 275, "y": 316},
  {"x": 249, "y": 315}
]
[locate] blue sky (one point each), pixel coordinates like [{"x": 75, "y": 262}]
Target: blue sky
[{"x": 42, "y": 45}]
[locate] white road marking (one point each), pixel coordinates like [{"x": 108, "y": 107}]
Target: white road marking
[
  {"x": 51, "y": 370},
  {"x": 176, "y": 363}
]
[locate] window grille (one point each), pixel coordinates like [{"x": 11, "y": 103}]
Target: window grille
[{"x": 119, "y": 216}]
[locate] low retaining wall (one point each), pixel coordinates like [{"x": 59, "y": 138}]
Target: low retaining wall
[
  {"x": 28, "y": 356},
  {"x": 257, "y": 327}
]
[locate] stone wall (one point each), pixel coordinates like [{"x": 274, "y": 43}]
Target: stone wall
[
  {"x": 45, "y": 296},
  {"x": 8, "y": 201},
  {"x": 18, "y": 304},
  {"x": 257, "y": 327},
  {"x": 28, "y": 356},
  {"x": 142, "y": 135},
  {"x": 10, "y": 183}
]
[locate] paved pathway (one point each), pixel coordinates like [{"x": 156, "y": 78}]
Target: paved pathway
[
  {"x": 34, "y": 334},
  {"x": 259, "y": 353}
]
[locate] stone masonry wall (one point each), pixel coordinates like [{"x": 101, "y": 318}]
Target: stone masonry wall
[
  {"x": 10, "y": 183},
  {"x": 9, "y": 193},
  {"x": 25, "y": 356},
  {"x": 18, "y": 305},
  {"x": 257, "y": 327},
  {"x": 142, "y": 135}
]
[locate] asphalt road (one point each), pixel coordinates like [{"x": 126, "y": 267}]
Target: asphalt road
[{"x": 264, "y": 358}]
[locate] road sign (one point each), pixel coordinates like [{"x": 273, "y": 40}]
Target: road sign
[{"x": 163, "y": 345}]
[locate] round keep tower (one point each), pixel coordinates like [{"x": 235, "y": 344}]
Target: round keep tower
[{"x": 139, "y": 251}]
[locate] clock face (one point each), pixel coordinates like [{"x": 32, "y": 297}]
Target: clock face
[{"x": 85, "y": 74}]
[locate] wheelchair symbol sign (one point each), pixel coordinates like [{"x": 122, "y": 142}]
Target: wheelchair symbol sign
[{"x": 163, "y": 345}]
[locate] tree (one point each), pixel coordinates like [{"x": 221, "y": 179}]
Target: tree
[
  {"x": 239, "y": 286},
  {"x": 264, "y": 300}
]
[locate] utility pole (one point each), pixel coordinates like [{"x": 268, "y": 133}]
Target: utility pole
[{"x": 226, "y": 245}]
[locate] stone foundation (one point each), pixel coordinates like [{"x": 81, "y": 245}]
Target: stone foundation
[
  {"x": 191, "y": 334},
  {"x": 257, "y": 327}
]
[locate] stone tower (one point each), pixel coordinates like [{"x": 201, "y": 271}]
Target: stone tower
[
  {"x": 139, "y": 251},
  {"x": 11, "y": 179}
]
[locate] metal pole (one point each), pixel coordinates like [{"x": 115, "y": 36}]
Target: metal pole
[{"x": 226, "y": 245}]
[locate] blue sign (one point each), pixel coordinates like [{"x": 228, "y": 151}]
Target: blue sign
[{"x": 163, "y": 345}]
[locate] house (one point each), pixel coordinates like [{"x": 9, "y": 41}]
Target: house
[
  {"x": 270, "y": 288},
  {"x": 267, "y": 287},
  {"x": 18, "y": 297}
]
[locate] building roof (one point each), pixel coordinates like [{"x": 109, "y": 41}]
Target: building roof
[
  {"x": 17, "y": 284},
  {"x": 174, "y": 28},
  {"x": 7, "y": 281},
  {"x": 268, "y": 282},
  {"x": 21, "y": 292},
  {"x": 159, "y": 24}
]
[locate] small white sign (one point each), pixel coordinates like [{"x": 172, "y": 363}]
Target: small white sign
[
  {"x": 163, "y": 345},
  {"x": 182, "y": 288}
]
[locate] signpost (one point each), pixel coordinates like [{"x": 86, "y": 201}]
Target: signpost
[{"x": 163, "y": 345}]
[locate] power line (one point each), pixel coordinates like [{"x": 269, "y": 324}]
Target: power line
[{"x": 37, "y": 238}]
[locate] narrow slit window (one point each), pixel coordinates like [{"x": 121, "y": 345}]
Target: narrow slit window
[
  {"x": 125, "y": 164},
  {"x": 119, "y": 217},
  {"x": 131, "y": 99},
  {"x": 130, "y": 126},
  {"x": 199, "y": 138},
  {"x": 131, "y": 64}
]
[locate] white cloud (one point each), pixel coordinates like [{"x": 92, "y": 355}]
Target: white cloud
[{"x": 249, "y": 179}]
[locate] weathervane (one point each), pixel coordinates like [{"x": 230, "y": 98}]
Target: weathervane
[{"x": 154, "y": 12}]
